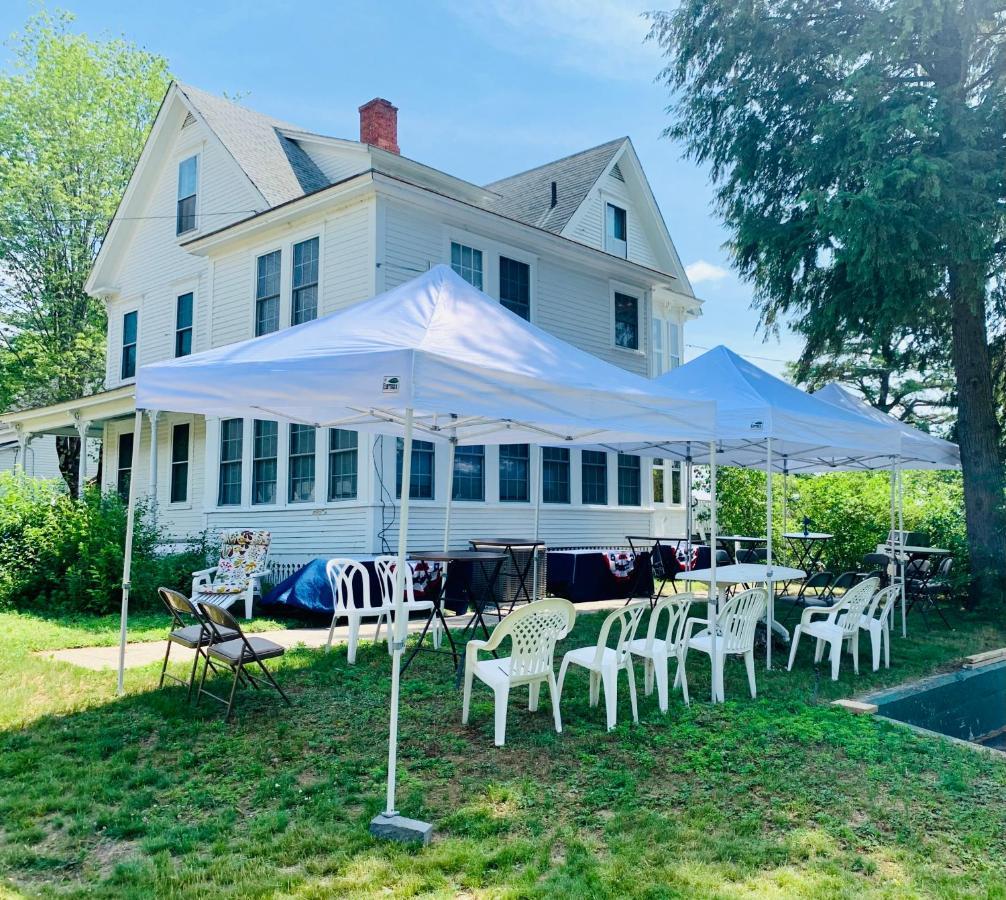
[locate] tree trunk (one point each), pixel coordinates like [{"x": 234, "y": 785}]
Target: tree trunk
[
  {"x": 68, "y": 454},
  {"x": 978, "y": 435}
]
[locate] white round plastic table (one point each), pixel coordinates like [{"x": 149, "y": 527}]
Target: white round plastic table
[{"x": 747, "y": 573}]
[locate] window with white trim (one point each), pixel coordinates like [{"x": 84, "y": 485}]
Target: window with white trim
[
  {"x": 616, "y": 230},
  {"x": 467, "y": 262},
  {"x": 469, "y": 482},
  {"x": 629, "y": 480},
  {"x": 301, "y": 460},
  {"x": 265, "y": 461},
  {"x": 594, "y": 477},
  {"x": 267, "y": 288},
  {"x": 231, "y": 447},
  {"x": 658, "y": 480},
  {"x": 180, "y": 463},
  {"x": 515, "y": 287},
  {"x": 304, "y": 305},
  {"x": 421, "y": 478},
  {"x": 626, "y": 321},
  {"x": 555, "y": 474},
  {"x": 343, "y": 463},
  {"x": 124, "y": 464},
  {"x": 515, "y": 471},
  {"x": 188, "y": 184},
  {"x": 130, "y": 328},
  {"x": 183, "y": 324},
  {"x": 666, "y": 345}
]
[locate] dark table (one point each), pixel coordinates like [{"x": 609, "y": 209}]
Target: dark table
[
  {"x": 460, "y": 566},
  {"x": 807, "y": 548},
  {"x": 664, "y": 561},
  {"x": 519, "y": 571},
  {"x": 584, "y": 574}
]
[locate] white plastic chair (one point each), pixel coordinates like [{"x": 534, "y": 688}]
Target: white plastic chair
[
  {"x": 341, "y": 575},
  {"x": 656, "y": 651},
  {"x": 385, "y": 567},
  {"x": 735, "y": 634},
  {"x": 839, "y": 625},
  {"x": 533, "y": 631},
  {"x": 876, "y": 620},
  {"x": 604, "y": 662}
]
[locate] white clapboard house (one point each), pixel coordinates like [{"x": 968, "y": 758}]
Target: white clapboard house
[{"x": 235, "y": 224}]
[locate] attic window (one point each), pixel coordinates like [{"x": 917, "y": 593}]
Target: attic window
[
  {"x": 189, "y": 120},
  {"x": 185, "y": 207},
  {"x": 616, "y": 173}
]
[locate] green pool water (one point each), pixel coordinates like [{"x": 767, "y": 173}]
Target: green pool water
[{"x": 968, "y": 704}]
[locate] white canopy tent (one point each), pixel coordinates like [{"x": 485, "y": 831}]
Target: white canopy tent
[
  {"x": 916, "y": 450},
  {"x": 436, "y": 357},
  {"x": 762, "y": 420}
]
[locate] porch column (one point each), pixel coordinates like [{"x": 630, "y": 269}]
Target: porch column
[
  {"x": 82, "y": 426},
  {"x": 152, "y": 416},
  {"x": 23, "y": 441}
]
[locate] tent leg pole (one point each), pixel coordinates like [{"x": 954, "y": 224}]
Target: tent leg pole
[
  {"x": 451, "y": 449},
  {"x": 688, "y": 505},
  {"x": 901, "y": 544},
  {"x": 770, "y": 609},
  {"x": 127, "y": 556},
  {"x": 538, "y": 484},
  {"x": 390, "y": 824},
  {"x": 714, "y": 593}
]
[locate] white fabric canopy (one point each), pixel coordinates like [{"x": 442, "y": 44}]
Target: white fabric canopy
[
  {"x": 753, "y": 406},
  {"x": 917, "y": 450},
  {"x": 434, "y": 356},
  {"x": 440, "y": 347}
]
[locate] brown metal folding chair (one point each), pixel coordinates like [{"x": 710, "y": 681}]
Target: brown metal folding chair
[
  {"x": 189, "y": 629},
  {"x": 238, "y": 653}
]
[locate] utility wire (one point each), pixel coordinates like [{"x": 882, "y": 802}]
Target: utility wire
[{"x": 745, "y": 355}]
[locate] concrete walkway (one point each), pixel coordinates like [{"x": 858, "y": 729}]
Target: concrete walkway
[{"x": 147, "y": 652}]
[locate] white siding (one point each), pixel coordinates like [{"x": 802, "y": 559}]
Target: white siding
[
  {"x": 587, "y": 227},
  {"x": 337, "y": 163},
  {"x": 155, "y": 268},
  {"x": 40, "y": 460}
]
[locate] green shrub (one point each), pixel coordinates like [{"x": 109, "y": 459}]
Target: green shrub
[
  {"x": 61, "y": 554},
  {"x": 852, "y": 506}
]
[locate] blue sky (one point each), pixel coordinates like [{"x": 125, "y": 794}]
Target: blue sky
[{"x": 484, "y": 90}]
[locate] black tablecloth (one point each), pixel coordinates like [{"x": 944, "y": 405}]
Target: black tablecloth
[{"x": 583, "y": 575}]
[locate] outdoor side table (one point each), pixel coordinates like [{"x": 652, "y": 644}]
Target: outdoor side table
[
  {"x": 521, "y": 572},
  {"x": 807, "y": 548},
  {"x": 459, "y": 564},
  {"x": 724, "y": 540},
  {"x": 658, "y": 565}
]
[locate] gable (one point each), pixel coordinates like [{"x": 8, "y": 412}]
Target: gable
[
  {"x": 226, "y": 194},
  {"x": 623, "y": 183}
]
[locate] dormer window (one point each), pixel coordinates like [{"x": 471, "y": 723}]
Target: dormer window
[
  {"x": 616, "y": 231},
  {"x": 188, "y": 181}
]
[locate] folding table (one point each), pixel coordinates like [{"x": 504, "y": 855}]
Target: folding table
[
  {"x": 807, "y": 547},
  {"x": 520, "y": 571},
  {"x": 658, "y": 567}
]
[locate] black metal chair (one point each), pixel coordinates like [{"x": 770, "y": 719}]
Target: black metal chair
[
  {"x": 238, "y": 654},
  {"x": 927, "y": 585},
  {"x": 189, "y": 629},
  {"x": 878, "y": 562},
  {"x": 840, "y": 585},
  {"x": 819, "y": 582},
  {"x": 753, "y": 556}
]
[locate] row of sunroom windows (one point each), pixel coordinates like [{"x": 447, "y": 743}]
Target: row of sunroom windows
[{"x": 469, "y": 477}]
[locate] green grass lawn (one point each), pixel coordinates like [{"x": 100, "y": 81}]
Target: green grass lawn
[{"x": 784, "y": 796}]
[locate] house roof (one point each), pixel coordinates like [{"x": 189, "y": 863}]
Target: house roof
[
  {"x": 527, "y": 196},
  {"x": 277, "y": 165}
]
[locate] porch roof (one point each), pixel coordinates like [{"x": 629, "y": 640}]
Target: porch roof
[{"x": 62, "y": 418}]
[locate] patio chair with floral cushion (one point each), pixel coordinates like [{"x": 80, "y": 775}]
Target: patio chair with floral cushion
[{"x": 238, "y": 574}]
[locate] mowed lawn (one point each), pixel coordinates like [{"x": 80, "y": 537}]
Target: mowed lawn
[{"x": 780, "y": 797}]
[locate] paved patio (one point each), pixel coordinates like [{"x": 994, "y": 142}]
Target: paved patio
[{"x": 147, "y": 652}]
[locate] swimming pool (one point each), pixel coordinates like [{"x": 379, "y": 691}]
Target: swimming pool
[{"x": 967, "y": 704}]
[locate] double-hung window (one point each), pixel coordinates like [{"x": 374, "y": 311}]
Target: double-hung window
[
  {"x": 304, "y": 307},
  {"x": 421, "y": 479},
  {"x": 183, "y": 324},
  {"x": 301, "y": 474},
  {"x": 616, "y": 230},
  {"x": 594, "y": 477},
  {"x": 469, "y": 481},
  {"x": 658, "y": 480},
  {"x": 188, "y": 184},
  {"x": 130, "y": 323},
  {"x": 231, "y": 448},
  {"x": 629, "y": 480},
  {"x": 555, "y": 474},
  {"x": 343, "y": 462},
  {"x": 467, "y": 262},
  {"x": 515, "y": 287},
  {"x": 267, "y": 287},
  {"x": 265, "y": 461},
  {"x": 180, "y": 463},
  {"x": 666, "y": 346},
  {"x": 515, "y": 472},
  {"x": 626, "y": 321},
  {"x": 124, "y": 464}
]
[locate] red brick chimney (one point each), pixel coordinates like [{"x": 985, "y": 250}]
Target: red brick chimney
[{"x": 379, "y": 124}]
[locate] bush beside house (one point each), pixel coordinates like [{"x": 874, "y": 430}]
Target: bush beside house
[{"x": 59, "y": 554}]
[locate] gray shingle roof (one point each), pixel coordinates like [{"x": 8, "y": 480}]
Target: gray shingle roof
[
  {"x": 527, "y": 196},
  {"x": 278, "y": 166}
]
